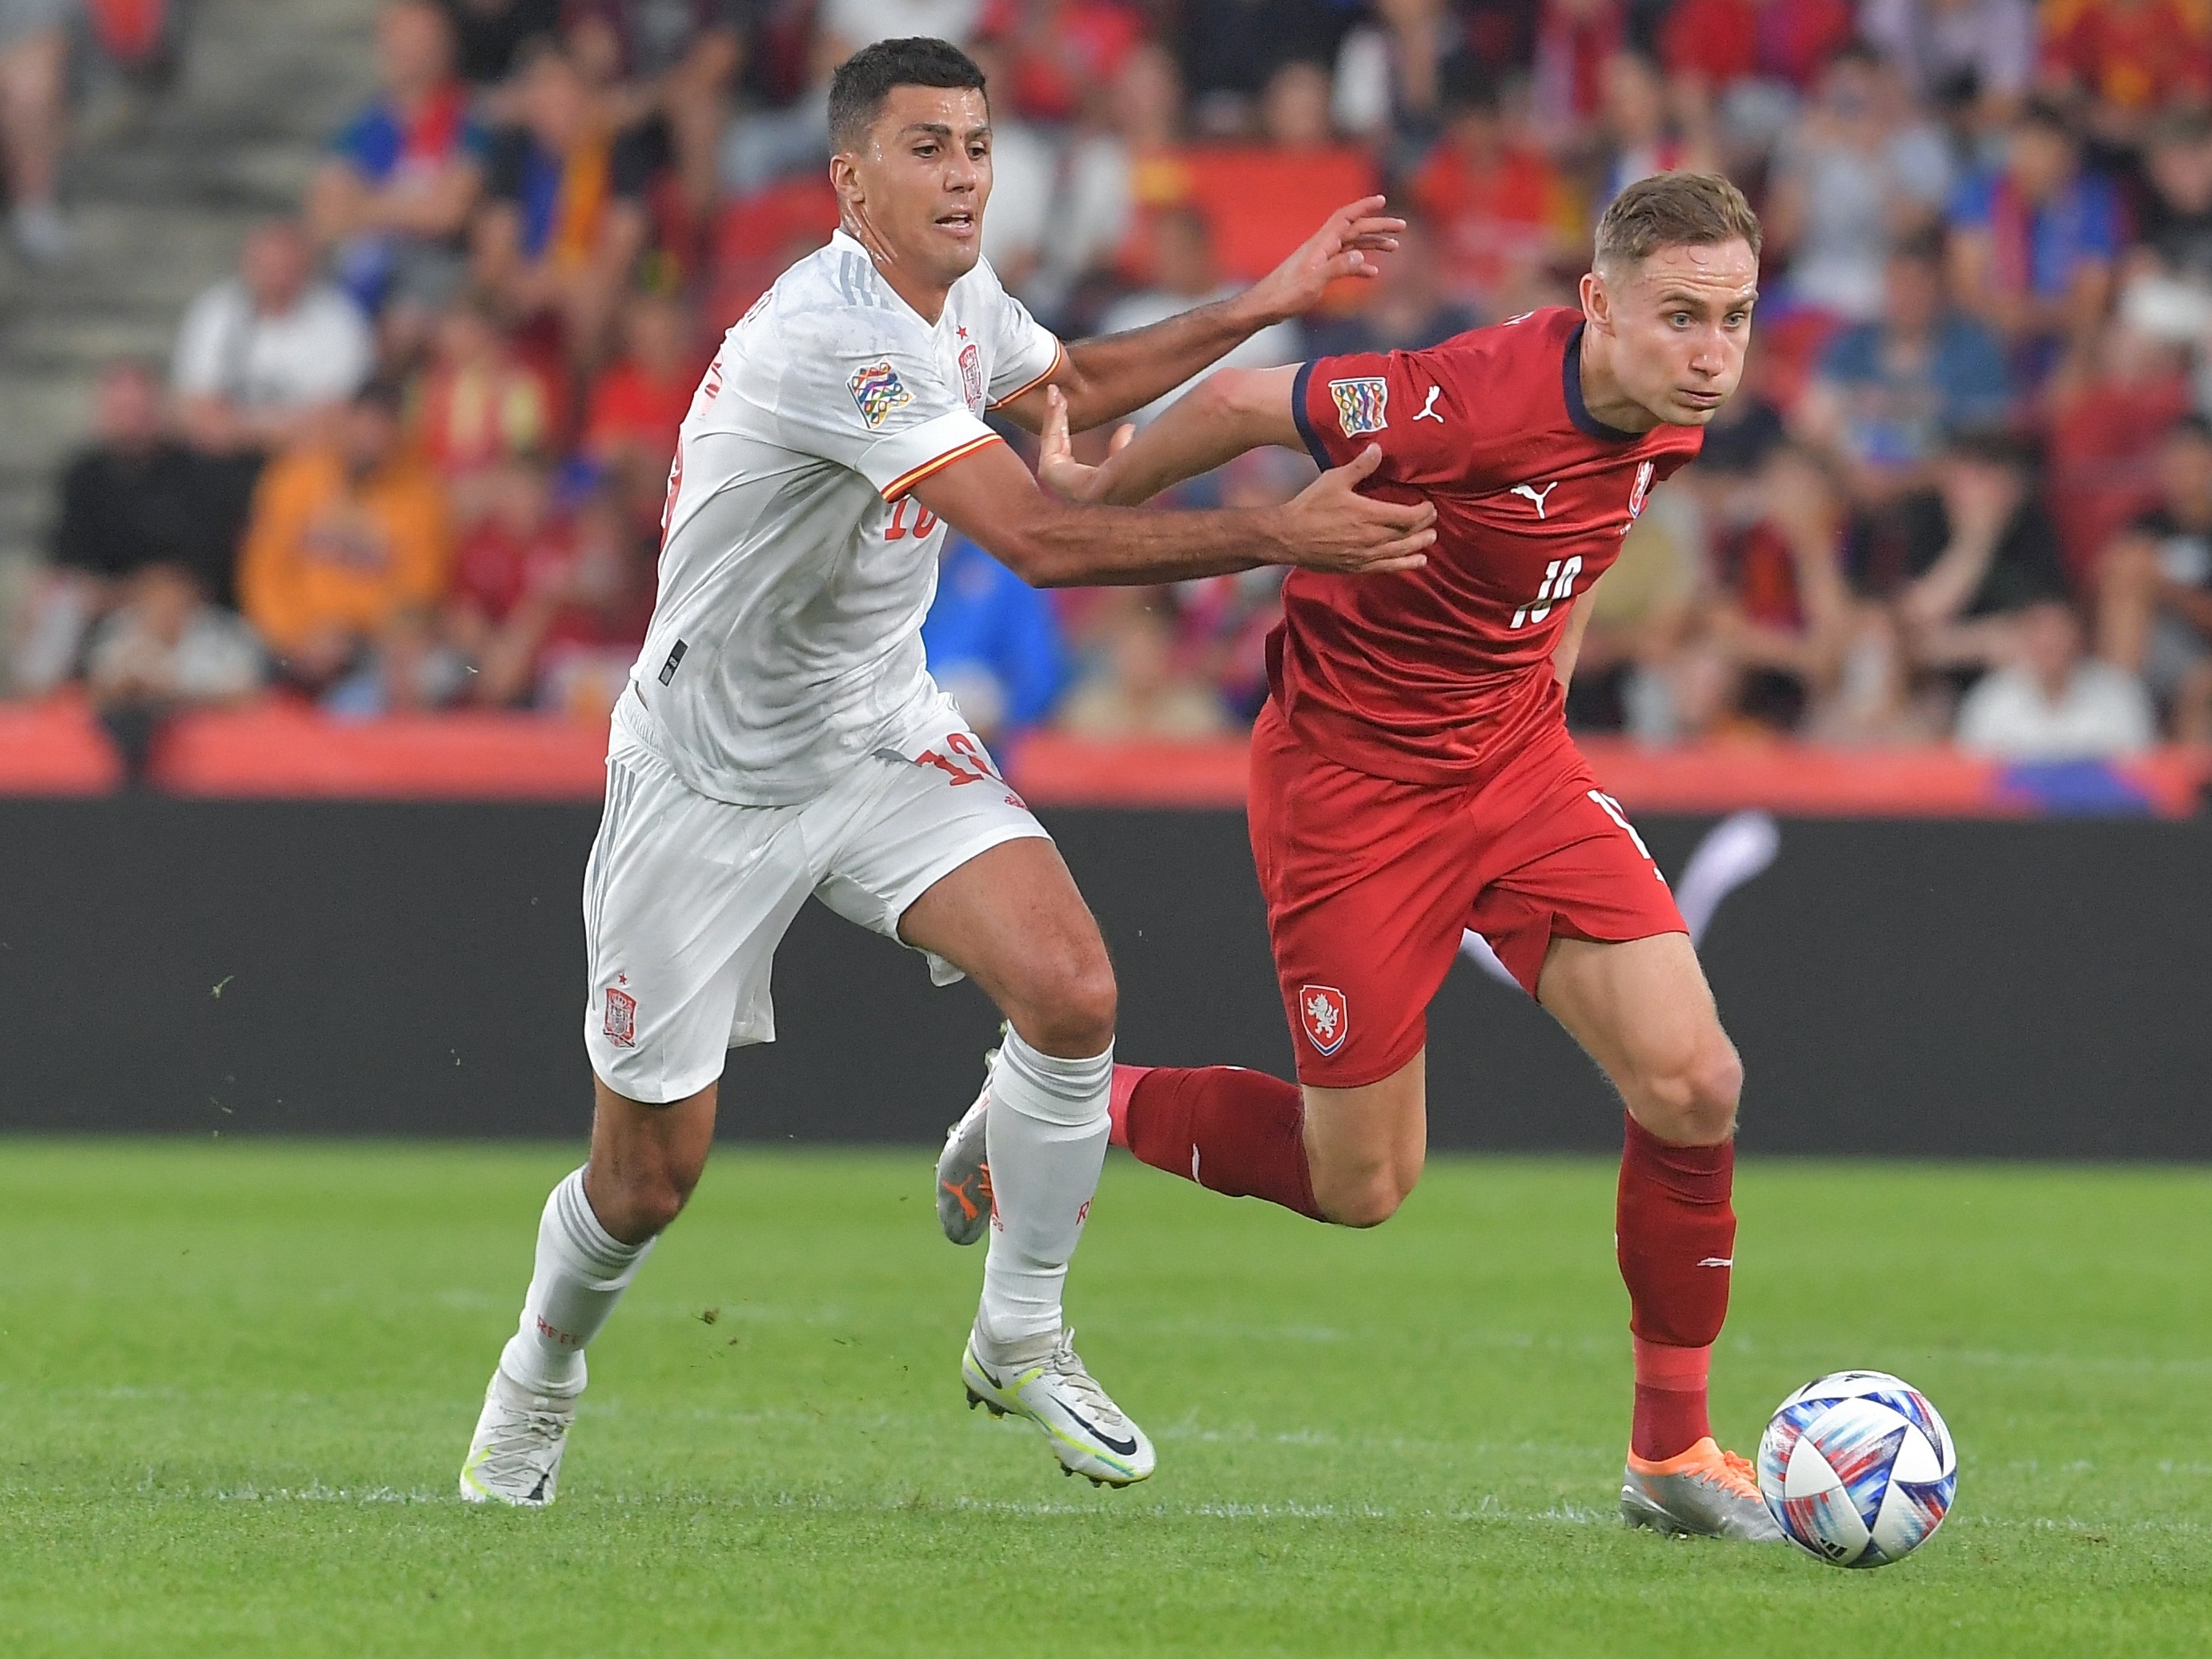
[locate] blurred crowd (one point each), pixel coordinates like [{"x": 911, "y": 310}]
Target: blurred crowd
[{"x": 412, "y": 453}]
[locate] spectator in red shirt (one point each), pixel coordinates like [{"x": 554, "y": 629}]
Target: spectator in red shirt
[
  {"x": 1501, "y": 211},
  {"x": 638, "y": 404},
  {"x": 569, "y": 644},
  {"x": 514, "y": 545},
  {"x": 1056, "y": 48},
  {"x": 1574, "y": 40},
  {"x": 2130, "y": 58},
  {"x": 480, "y": 402}
]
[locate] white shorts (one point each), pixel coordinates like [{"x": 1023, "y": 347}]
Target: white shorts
[{"x": 686, "y": 897}]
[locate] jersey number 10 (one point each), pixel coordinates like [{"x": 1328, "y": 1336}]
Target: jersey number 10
[{"x": 1559, "y": 588}]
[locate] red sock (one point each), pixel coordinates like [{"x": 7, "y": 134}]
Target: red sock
[
  {"x": 1675, "y": 1234},
  {"x": 1230, "y": 1130}
]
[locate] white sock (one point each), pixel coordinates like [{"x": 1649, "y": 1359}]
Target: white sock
[
  {"x": 582, "y": 1271},
  {"x": 1047, "y": 1137}
]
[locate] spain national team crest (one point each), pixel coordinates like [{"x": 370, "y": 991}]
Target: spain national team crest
[
  {"x": 971, "y": 376},
  {"x": 1322, "y": 1012},
  {"x": 621, "y": 1026},
  {"x": 1362, "y": 405},
  {"x": 878, "y": 392}
]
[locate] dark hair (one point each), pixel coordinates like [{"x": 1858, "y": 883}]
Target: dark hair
[
  {"x": 1923, "y": 246},
  {"x": 2050, "y": 116},
  {"x": 2195, "y": 427},
  {"x": 863, "y": 81},
  {"x": 1675, "y": 209}
]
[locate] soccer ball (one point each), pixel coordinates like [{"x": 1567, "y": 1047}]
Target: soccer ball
[{"x": 1857, "y": 1468}]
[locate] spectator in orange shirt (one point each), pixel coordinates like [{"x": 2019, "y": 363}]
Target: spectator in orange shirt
[
  {"x": 343, "y": 536},
  {"x": 2130, "y": 58},
  {"x": 641, "y": 401},
  {"x": 1502, "y": 213}
]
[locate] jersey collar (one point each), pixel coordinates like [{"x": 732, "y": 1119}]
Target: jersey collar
[
  {"x": 841, "y": 237},
  {"x": 1571, "y": 375}
]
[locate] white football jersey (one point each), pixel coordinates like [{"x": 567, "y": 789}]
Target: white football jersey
[{"x": 795, "y": 569}]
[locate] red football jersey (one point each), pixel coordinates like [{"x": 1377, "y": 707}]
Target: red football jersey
[{"x": 1428, "y": 675}]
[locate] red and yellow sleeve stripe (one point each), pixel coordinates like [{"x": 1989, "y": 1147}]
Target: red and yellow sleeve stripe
[
  {"x": 906, "y": 481},
  {"x": 1059, "y": 359}
]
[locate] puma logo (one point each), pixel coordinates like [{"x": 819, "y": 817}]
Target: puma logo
[
  {"x": 1536, "y": 495},
  {"x": 1429, "y": 409}
]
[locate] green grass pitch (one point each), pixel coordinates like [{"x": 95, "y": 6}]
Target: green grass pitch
[{"x": 236, "y": 1379}]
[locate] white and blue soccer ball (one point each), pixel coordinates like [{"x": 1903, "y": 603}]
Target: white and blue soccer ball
[{"x": 1857, "y": 1468}]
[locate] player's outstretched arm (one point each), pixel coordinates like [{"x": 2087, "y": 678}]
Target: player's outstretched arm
[
  {"x": 1104, "y": 379},
  {"x": 989, "y": 497},
  {"x": 1230, "y": 411}
]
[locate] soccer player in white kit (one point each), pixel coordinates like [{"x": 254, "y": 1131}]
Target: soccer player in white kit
[{"x": 781, "y": 736}]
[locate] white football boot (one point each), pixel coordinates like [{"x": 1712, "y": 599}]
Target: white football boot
[
  {"x": 1044, "y": 1381},
  {"x": 963, "y": 1169},
  {"x": 515, "y": 1456}
]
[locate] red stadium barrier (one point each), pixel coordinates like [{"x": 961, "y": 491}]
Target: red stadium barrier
[
  {"x": 55, "y": 748},
  {"x": 287, "y": 750},
  {"x": 284, "y": 750},
  {"x": 1053, "y": 770}
]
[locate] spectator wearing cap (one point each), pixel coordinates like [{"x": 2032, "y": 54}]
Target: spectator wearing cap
[
  {"x": 2154, "y": 592},
  {"x": 1888, "y": 392},
  {"x": 566, "y": 219},
  {"x": 345, "y": 534},
  {"x": 2033, "y": 243},
  {"x": 2048, "y": 702},
  {"x": 263, "y": 356},
  {"x": 395, "y": 193}
]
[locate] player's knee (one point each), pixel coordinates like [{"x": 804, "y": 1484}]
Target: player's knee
[
  {"x": 1691, "y": 1099},
  {"x": 1365, "y": 1196},
  {"x": 1070, "y": 1002},
  {"x": 646, "y": 1198}
]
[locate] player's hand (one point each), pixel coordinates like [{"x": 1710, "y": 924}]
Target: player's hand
[
  {"x": 1330, "y": 525},
  {"x": 1058, "y": 469},
  {"x": 1345, "y": 245}
]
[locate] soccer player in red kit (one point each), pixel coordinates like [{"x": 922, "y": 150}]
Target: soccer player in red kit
[{"x": 1412, "y": 775}]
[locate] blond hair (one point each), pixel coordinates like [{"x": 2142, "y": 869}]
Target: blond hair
[{"x": 1674, "y": 210}]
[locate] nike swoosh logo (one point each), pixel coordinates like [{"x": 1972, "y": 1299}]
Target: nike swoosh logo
[
  {"x": 1124, "y": 1447},
  {"x": 1718, "y": 1261}
]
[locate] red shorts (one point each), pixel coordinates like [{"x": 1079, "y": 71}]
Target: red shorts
[{"x": 1371, "y": 882}]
